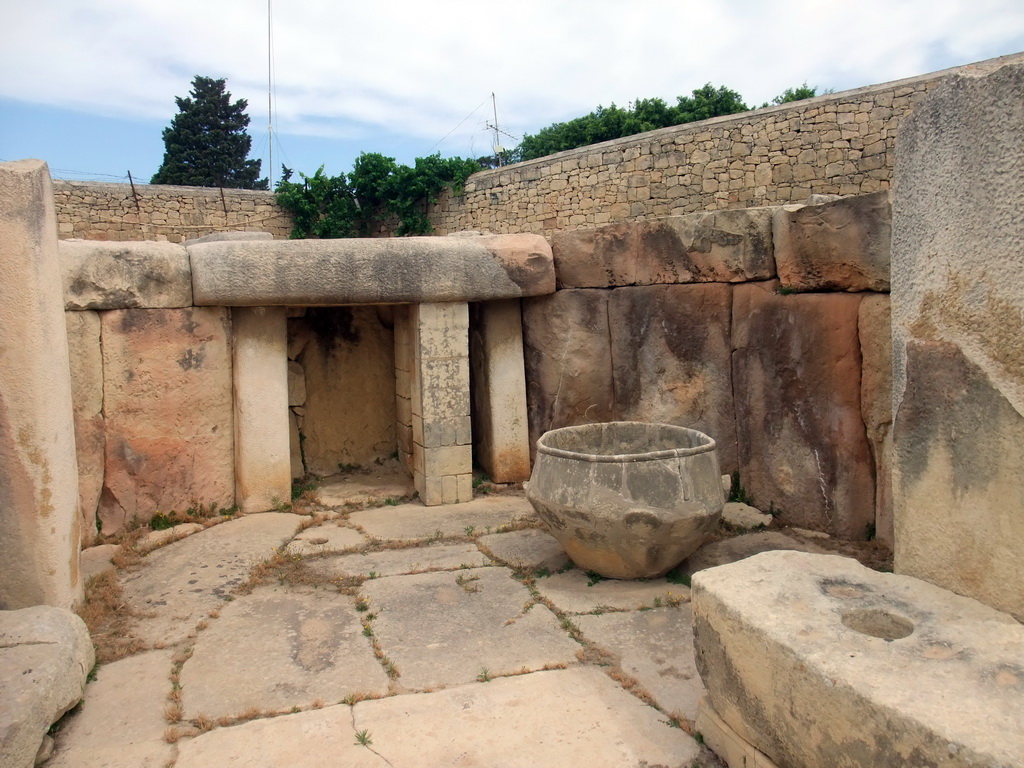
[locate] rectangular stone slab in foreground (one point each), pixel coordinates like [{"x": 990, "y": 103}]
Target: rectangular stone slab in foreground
[{"x": 816, "y": 660}]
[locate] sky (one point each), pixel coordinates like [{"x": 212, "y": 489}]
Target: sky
[{"x": 89, "y": 85}]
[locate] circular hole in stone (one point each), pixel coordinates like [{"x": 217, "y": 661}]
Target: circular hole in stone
[{"x": 878, "y": 623}]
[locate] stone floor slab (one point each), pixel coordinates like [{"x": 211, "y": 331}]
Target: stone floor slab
[
  {"x": 576, "y": 592},
  {"x": 320, "y": 539},
  {"x": 531, "y": 549},
  {"x": 121, "y": 722},
  {"x": 277, "y": 648},
  {"x": 557, "y": 718},
  {"x": 445, "y": 628},
  {"x": 395, "y": 562},
  {"x": 376, "y": 484},
  {"x": 655, "y": 647},
  {"x": 179, "y": 584},
  {"x": 482, "y": 515},
  {"x": 321, "y": 738}
]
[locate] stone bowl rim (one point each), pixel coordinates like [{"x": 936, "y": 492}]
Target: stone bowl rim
[{"x": 708, "y": 444}]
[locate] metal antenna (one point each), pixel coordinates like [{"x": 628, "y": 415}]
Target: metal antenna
[{"x": 270, "y": 86}]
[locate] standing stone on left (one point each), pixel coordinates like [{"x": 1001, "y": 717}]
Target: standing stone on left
[
  {"x": 39, "y": 526},
  {"x": 167, "y": 403}
]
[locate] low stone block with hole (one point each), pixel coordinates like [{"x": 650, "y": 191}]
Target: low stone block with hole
[{"x": 812, "y": 657}]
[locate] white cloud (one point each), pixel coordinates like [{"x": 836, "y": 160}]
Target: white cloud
[{"x": 352, "y": 69}]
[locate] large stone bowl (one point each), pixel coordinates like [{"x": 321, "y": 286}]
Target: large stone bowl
[{"x": 626, "y": 499}]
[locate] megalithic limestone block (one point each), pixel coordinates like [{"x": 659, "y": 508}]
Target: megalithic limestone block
[{"x": 39, "y": 525}]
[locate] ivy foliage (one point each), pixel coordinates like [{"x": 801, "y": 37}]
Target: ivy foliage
[
  {"x": 377, "y": 192},
  {"x": 206, "y": 144},
  {"x": 606, "y": 123}
]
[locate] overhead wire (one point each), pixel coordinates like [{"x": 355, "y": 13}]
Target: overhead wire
[{"x": 453, "y": 130}]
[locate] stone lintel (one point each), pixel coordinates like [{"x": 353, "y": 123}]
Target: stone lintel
[{"x": 371, "y": 271}]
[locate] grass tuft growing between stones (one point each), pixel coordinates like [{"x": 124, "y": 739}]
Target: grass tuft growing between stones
[{"x": 110, "y": 619}]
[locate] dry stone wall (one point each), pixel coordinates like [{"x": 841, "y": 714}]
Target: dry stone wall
[
  {"x": 841, "y": 144},
  {"x": 102, "y": 211}
]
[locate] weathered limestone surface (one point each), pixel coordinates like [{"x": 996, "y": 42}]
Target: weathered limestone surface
[
  {"x": 442, "y": 435},
  {"x": 802, "y": 446},
  {"x": 583, "y": 715},
  {"x": 86, "y": 360},
  {"x": 656, "y": 648},
  {"x": 722, "y": 246},
  {"x": 371, "y": 271},
  {"x": 600, "y": 257},
  {"x": 958, "y": 329},
  {"x": 442, "y": 628},
  {"x": 810, "y": 657},
  {"x": 121, "y": 723},
  {"x": 412, "y": 521},
  {"x": 349, "y": 370},
  {"x": 101, "y": 275},
  {"x": 45, "y": 656},
  {"x": 719, "y": 246},
  {"x": 431, "y": 557},
  {"x": 841, "y": 245},
  {"x": 308, "y": 648},
  {"x": 670, "y": 352},
  {"x": 575, "y": 716},
  {"x": 39, "y": 522},
  {"x": 321, "y": 539},
  {"x": 576, "y": 592},
  {"x": 263, "y": 471},
  {"x": 322, "y": 738},
  {"x": 167, "y": 402},
  {"x": 725, "y": 742},
  {"x": 568, "y": 360},
  {"x": 500, "y": 423},
  {"x": 182, "y": 583},
  {"x": 529, "y": 549},
  {"x": 959, "y": 449},
  {"x": 874, "y": 325},
  {"x": 744, "y": 516}
]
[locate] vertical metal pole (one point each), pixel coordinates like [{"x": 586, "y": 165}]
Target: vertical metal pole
[{"x": 270, "y": 110}]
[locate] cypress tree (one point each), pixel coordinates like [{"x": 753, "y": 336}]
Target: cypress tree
[{"x": 206, "y": 144}]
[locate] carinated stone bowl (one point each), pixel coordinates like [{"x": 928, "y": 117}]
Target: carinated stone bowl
[{"x": 627, "y": 499}]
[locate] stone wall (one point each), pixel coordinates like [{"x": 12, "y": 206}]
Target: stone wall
[
  {"x": 958, "y": 329},
  {"x": 766, "y": 328},
  {"x": 102, "y": 211},
  {"x": 840, "y": 144},
  {"x": 836, "y": 144}
]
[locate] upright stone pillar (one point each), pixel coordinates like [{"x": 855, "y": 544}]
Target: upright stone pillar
[
  {"x": 958, "y": 339},
  {"x": 499, "y": 391},
  {"x": 405, "y": 362},
  {"x": 39, "y": 526},
  {"x": 260, "y": 373},
  {"x": 441, "y": 432}
]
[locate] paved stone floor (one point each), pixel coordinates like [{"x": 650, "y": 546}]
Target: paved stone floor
[{"x": 399, "y": 635}]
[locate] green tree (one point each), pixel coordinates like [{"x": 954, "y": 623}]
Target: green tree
[
  {"x": 206, "y": 144},
  {"x": 799, "y": 93},
  {"x": 377, "y": 192},
  {"x": 606, "y": 123}
]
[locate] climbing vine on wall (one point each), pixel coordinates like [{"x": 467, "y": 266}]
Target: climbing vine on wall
[{"x": 376, "y": 193}]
